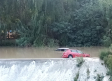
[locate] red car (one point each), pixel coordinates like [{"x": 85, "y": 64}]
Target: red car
[{"x": 70, "y": 53}]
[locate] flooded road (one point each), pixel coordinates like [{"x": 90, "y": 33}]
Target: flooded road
[{"x": 46, "y": 52}]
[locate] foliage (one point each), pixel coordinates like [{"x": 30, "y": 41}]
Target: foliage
[
  {"x": 106, "y": 41},
  {"x": 99, "y": 77},
  {"x": 58, "y": 22},
  {"x": 7, "y": 43},
  {"x": 107, "y": 57},
  {"x": 79, "y": 61},
  {"x": 104, "y": 54},
  {"x": 88, "y": 72},
  {"x": 109, "y": 72},
  {"x": 109, "y": 62},
  {"x": 76, "y": 77}
]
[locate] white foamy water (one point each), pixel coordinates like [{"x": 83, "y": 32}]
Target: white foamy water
[{"x": 50, "y": 70}]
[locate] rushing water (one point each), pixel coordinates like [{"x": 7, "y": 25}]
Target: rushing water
[
  {"x": 37, "y": 70},
  {"x": 50, "y": 70},
  {"x": 15, "y": 52},
  {"x": 30, "y": 66}
]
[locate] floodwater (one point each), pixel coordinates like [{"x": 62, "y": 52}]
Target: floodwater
[
  {"x": 51, "y": 70},
  {"x": 54, "y": 68},
  {"x": 43, "y": 52}
]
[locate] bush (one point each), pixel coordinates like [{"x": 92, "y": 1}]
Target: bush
[
  {"x": 7, "y": 43},
  {"x": 76, "y": 77},
  {"x": 109, "y": 62},
  {"x": 109, "y": 72},
  {"x": 88, "y": 72},
  {"x": 106, "y": 41},
  {"x": 79, "y": 61},
  {"x": 99, "y": 77},
  {"x": 104, "y": 54},
  {"x": 107, "y": 57},
  {"x": 52, "y": 43}
]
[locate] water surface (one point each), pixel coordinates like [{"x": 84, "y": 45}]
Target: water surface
[{"x": 43, "y": 52}]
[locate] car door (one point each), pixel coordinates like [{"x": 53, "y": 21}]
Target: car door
[
  {"x": 74, "y": 53},
  {"x": 80, "y": 54}
]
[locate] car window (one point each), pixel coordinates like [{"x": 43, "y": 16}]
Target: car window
[
  {"x": 74, "y": 51},
  {"x": 79, "y": 52}
]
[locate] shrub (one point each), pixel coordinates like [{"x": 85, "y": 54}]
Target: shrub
[
  {"x": 99, "y": 77},
  {"x": 79, "y": 61},
  {"x": 7, "y": 43},
  {"x": 106, "y": 41},
  {"x": 88, "y": 73},
  {"x": 105, "y": 60},
  {"x": 109, "y": 62},
  {"x": 52, "y": 43},
  {"x": 104, "y": 54},
  {"x": 109, "y": 72},
  {"x": 110, "y": 78},
  {"x": 76, "y": 77},
  {"x": 107, "y": 57}
]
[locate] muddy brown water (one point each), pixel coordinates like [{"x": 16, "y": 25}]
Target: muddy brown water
[{"x": 43, "y": 52}]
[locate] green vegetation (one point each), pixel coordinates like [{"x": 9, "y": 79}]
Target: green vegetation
[
  {"x": 76, "y": 77},
  {"x": 57, "y": 22},
  {"x": 104, "y": 54},
  {"x": 80, "y": 61},
  {"x": 7, "y": 43},
  {"x": 99, "y": 77},
  {"x": 107, "y": 57},
  {"x": 88, "y": 72}
]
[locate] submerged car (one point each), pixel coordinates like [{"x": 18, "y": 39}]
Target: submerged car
[
  {"x": 61, "y": 49},
  {"x": 71, "y": 53}
]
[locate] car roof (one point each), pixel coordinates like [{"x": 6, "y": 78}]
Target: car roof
[{"x": 75, "y": 49}]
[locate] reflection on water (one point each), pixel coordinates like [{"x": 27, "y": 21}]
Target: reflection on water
[{"x": 15, "y": 52}]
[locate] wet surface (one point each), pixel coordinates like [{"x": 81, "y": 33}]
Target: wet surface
[
  {"x": 50, "y": 70},
  {"x": 16, "y": 52}
]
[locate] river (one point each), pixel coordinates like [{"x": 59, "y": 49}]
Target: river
[
  {"x": 26, "y": 64},
  {"x": 51, "y": 70},
  {"x": 42, "y": 52}
]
